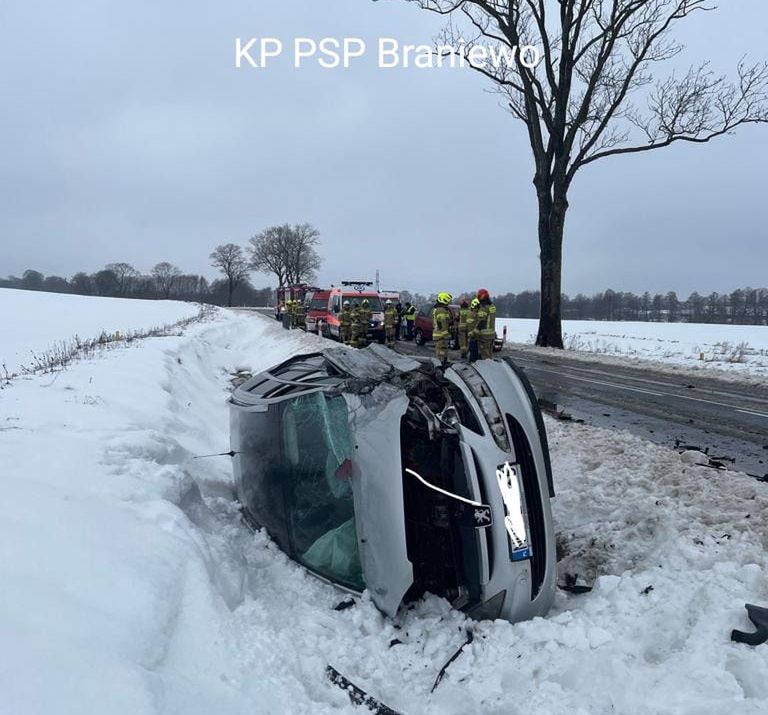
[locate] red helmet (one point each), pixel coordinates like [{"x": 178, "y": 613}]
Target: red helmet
[{"x": 483, "y": 294}]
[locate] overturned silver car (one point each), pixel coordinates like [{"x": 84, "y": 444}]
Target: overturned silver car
[{"x": 379, "y": 471}]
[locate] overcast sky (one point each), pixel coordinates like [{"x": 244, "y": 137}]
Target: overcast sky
[{"x": 128, "y": 135}]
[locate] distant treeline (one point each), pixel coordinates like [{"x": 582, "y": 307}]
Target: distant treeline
[
  {"x": 744, "y": 306},
  {"x": 165, "y": 281}
]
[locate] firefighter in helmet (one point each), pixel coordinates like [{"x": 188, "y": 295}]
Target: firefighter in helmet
[
  {"x": 486, "y": 324},
  {"x": 464, "y": 325},
  {"x": 390, "y": 323},
  {"x": 301, "y": 316},
  {"x": 345, "y": 323},
  {"x": 356, "y": 322},
  {"x": 291, "y": 310},
  {"x": 365, "y": 321},
  {"x": 472, "y": 332},
  {"x": 441, "y": 326}
]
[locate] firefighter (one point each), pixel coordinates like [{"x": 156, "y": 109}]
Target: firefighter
[
  {"x": 390, "y": 323},
  {"x": 464, "y": 321},
  {"x": 284, "y": 317},
  {"x": 399, "y": 321},
  {"x": 291, "y": 311},
  {"x": 345, "y": 324},
  {"x": 301, "y": 316},
  {"x": 410, "y": 319},
  {"x": 354, "y": 337},
  {"x": 472, "y": 333},
  {"x": 441, "y": 326},
  {"x": 486, "y": 324},
  {"x": 365, "y": 321}
]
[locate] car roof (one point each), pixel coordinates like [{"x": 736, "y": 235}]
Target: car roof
[{"x": 304, "y": 374}]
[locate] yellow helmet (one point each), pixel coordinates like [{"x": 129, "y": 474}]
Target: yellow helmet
[
  {"x": 444, "y": 298},
  {"x": 475, "y": 303}
]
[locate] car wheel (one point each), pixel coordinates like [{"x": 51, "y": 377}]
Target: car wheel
[{"x": 419, "y": 337}]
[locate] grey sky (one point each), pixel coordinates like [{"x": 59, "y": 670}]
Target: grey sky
[{"x": 127, "y": 134}]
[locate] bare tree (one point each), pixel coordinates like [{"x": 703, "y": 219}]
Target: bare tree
[
  {"x": 165, "y": 275},
  {"x": 303, "y": 257},
  {"x": 125, "y": 274},
  {"x": 289, "y": 252},
  {"x": 596, "y": 57},
  {"x": 269, "y": 253},
  {"x": 229, "y": 259}
]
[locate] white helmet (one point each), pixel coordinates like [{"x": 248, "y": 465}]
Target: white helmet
[
  {"x": 346, "y": 302},
  {"x": 389, "y": 302}
]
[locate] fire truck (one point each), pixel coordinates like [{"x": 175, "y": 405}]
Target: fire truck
[{"x": 298, "y": 291}]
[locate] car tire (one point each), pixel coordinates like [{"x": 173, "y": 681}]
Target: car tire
[{"x": 419, "y": 337}]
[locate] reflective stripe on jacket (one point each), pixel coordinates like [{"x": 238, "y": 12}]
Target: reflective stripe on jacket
[
  {"x": 441, "y": 323},
  {"x": 489, "y": 329}
]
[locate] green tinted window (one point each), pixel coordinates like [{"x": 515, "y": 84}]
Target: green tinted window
[{"x": 318, "y": 449}]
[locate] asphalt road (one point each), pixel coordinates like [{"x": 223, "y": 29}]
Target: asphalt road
[{"x": 728, "y": 420}]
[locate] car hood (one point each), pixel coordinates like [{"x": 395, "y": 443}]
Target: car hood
[{"x": 378, "y": 493}]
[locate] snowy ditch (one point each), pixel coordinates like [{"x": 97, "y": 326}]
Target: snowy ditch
[{"x": 129, "y": 578}]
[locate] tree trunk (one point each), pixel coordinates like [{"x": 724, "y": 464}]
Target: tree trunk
[
  {"x": 551, "y": 226},
  {"x": 231, "y": 291}
]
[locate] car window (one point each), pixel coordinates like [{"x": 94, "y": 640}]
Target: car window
[
  {"x": 319, "y": 304},
  {"x": 425, "y": 310},
  {"x": 374, "y": 303},
  {"x": 317, "y": 448}
]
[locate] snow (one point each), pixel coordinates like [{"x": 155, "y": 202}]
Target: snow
[
  {"x": 34, "y": 321},
  {"x": 130, "y": 583},
  {"x": 739, "y": 349}
]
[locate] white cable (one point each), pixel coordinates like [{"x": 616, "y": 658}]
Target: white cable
[{"x": 442, "y": 491}]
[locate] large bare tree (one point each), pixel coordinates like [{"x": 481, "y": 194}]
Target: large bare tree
[
  {"x": 288, "y": 252},
  {"x": 165, "y": 275},
  {"x": 595, "y": 94},
  {"x": 230, "y": 260}
]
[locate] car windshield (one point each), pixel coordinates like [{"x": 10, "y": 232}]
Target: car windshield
[
  {"x": 317, "y": 448},
  {"x": 319, "y": 303},
  {"x": 374, "y": 302}
]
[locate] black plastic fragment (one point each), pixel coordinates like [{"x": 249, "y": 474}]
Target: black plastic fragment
[
  {"x": 759, "y": 616},
  {"x": 344, "y": 605},
  {"x": 357, "y": 695},
  {"x": 470, "y": 638},
  {"x": 571, "y": 586}
]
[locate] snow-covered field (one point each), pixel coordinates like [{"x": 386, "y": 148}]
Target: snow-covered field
[
  {"x": 34, "y": 321},
  {"x": 126, "y": 591},
  {"x": 740, "y": 349}
]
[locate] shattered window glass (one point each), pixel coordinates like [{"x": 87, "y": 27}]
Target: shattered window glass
[{"x": 318, "y": 449}]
